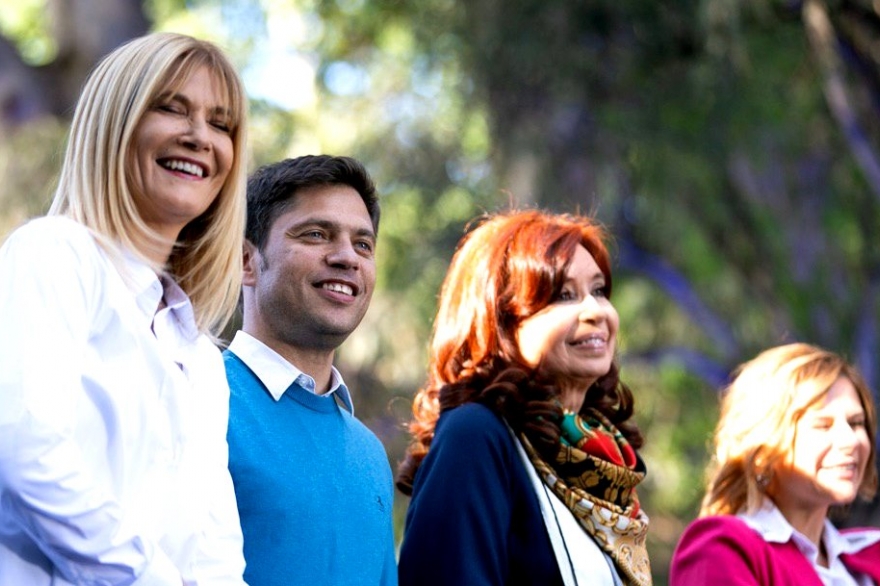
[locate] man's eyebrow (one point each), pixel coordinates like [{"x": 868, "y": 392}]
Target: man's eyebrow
[
  {"x": 366, "y": 233},
  {"x": 330, "y": 225}
]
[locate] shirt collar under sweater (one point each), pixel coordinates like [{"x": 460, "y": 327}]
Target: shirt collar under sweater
[
  {"x": 277, "y": 374},
  {"x": 774, "y": 528}
]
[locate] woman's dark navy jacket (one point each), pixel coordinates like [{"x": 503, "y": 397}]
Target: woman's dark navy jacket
[{"x": 474, "y": 517}]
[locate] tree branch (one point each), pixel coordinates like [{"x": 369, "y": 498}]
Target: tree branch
[
  {"x": 821, "y": 34},
  {"x": 681, "y": 292},
  {"x": 715, "y": 374}
]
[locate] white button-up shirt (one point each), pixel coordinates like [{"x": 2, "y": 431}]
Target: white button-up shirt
[
  {"x": 113, "y": 457},
  {"x": 278, "y": 374},
  {"x": 774, "y": 528}
]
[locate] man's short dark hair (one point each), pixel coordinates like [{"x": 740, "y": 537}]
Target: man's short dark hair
[{"x": 272, "y": 188}]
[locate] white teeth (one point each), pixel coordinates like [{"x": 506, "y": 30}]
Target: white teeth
[
  {"x": 339, "y": 288},
  {"x": 845, "y": 467},
  {"x": 594, "y": 342},
  {"x": 184, "y": 166}
]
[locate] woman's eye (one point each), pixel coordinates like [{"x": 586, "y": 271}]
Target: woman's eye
[
  {"x": 222, "y": 126},
  {"x": 566, "y": 295},
  {"x": 170, "y": 108}
]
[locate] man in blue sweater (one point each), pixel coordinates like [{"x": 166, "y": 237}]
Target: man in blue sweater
[{"x": 313, "y": 484}]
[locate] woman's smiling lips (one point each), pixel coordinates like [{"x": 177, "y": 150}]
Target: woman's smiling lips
[
  {"x": 594, "y": 341},
  {"x": 185, "y": 166},
  {"x": 846, "y": 469}
]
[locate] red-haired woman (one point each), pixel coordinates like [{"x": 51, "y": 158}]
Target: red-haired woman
[{"x": 523, "y": 467}]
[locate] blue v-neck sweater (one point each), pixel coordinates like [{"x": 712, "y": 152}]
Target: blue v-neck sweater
[{"x": 313, "y": 486}]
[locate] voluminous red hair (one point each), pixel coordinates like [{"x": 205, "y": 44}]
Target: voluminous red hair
[{"x": 509, "y": 267}]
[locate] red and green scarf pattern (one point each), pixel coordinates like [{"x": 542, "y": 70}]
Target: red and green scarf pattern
[{"x": 595, "y": 473}]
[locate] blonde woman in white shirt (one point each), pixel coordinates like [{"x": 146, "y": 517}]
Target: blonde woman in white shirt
[{"x": 113, "y": 399}]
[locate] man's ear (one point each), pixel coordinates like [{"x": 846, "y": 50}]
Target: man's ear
[{"x": 250, "y": 257}]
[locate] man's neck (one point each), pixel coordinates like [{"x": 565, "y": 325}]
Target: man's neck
[{"x": 314, "y": 361}]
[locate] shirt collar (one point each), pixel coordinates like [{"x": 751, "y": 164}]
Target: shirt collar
[
  {"x": 774, "y": 528},
  {"x": 769, "y": 522},
  {"x": 178, "y": 303},
  {"x": 849, "y": 542},
  {"x": 144, "y": 283},
  {"x": 149, "y": 289},
  {"x": 277, "y": 374}
]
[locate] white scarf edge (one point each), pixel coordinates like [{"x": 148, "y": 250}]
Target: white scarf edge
[{"x": 578, "y": 568}]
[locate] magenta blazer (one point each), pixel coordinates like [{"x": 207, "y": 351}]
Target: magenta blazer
[{"x": 724, "y": 551}]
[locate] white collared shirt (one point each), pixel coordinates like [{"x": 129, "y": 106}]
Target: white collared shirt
[
  {"x": 774, "y": 528},
  {"x": 278, "y": 374},
  {"x": 113, "y": 459}
]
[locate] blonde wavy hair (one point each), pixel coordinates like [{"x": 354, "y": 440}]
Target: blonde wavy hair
[
  {"x": 94, "y": 186},
  {"x": 759, "y": 411}
]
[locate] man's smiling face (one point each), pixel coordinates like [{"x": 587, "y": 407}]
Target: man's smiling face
[{"x": 315, "y": 276}]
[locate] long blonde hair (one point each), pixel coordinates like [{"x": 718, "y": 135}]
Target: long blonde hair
[
  {"x": 759, "y": 411},
  {"x": 94, "y": 186}
]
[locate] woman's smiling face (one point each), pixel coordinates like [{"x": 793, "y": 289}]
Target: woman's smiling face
[
  {"x": 181, "y": 154},
  {"x": 572, "y": 340},
  {"x": 830, "y": 453}
]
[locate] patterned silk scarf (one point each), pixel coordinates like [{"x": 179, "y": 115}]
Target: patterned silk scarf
[{"x": 595, "y": 474}]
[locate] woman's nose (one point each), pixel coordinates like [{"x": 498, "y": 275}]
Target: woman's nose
[
  {"x": 844, "y": 434},
  {"x": 590, "y": 309},
  {"x": 195, "y": 135}
]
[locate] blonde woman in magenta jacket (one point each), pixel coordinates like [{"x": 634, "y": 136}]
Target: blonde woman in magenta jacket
[{"x": 796, "y": 439}]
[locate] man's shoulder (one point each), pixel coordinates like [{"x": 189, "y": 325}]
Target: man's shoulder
[
  {"x": 238, "y": 374},
  {"x": 360, "y": 428},
  {"x": 233, "y": 363}
]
